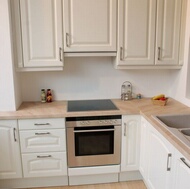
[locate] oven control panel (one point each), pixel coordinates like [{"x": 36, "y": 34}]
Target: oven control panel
[{"x": 93, "y": 121}]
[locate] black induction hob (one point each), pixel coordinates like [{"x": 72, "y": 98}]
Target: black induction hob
[{"x": 90, "y": 105}]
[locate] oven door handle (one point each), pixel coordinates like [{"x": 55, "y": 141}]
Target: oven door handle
[{"x": 95, "y": 130}]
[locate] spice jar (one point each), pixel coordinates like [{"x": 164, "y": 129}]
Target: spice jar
[
  {"x": 43, "y": 95},
  {"x": 49, "y": 96}
]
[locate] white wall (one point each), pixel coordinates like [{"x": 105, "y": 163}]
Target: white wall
[
  {"x": 9, "y": 97},
  {"x": 94, "y": 78},
  {"x": 180, "y": 87}
]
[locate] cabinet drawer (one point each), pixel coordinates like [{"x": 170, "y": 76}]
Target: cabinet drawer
[
  {"x": 52, "y": 123},
  {"x": 44, "y": 164},
  {"x": 42, "y": 140}
]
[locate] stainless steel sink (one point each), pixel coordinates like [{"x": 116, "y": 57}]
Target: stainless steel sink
[
  {"x": 178, "y": 125},
  {"x": 175, "y": 121}
]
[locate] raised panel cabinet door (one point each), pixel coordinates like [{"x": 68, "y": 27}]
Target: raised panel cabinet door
[
  {"x": 136, "y": 35},
  {"x": 41, "y": 23},
  {"x": 43, "y": 140},
  {"x": 144, "y": 148},
  {"x": 182, "y": 172},
  {"x": 44, "y": 164},
  {"x": 90, "y": 25},
  {"x": 10, "y": 159},
  {"x": 160, "y": 161},
  {"x": 130, "y": 142},
  {"x": 168, "y": 32}
]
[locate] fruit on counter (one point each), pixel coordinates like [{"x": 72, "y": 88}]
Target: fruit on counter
[
  {"x": 158, "y": 97},
  {"x": 163, "y": 98}
]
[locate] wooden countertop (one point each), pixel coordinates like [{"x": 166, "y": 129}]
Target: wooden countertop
[{"x": 133, "y": 107}]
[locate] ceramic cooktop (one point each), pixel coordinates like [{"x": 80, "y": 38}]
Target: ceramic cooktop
[{"x": 90, "y": 105}]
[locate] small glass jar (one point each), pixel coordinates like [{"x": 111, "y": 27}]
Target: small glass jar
[
  {"x": 43, "y": 95},
  {"x": 49, "y": 96}
]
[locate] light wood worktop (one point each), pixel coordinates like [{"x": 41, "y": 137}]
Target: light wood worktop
[{"x": 133, "y": 107}]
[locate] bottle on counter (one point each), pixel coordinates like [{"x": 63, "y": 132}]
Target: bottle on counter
[
  {"x": 49, "y": 96},
  {"x": 43, "y": 95}
]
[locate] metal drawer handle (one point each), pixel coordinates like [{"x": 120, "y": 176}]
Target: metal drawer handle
[
  {"x": 14, "y": 133},
  {"x": 67, "y": 39},
  {"x": 98, "y": 130},
  {"x": 48, "y": 156},
  {"x": 41, "y": 124},
  {"x": 159, "y": 53},
  {"x": 121, "y": 53},
  {"x": 60, "y": 54},
  {"x": 183, "y": 160},
  {"x": 125, "y": 125},
  {"x": 168, "y": 162},
  {"x": 42, "y": 133}
]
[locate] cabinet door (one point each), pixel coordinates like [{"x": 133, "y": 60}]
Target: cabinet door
[
  {"x": 136, "y": 32},
  {"x": 43, "y": 140},
  {"x": 160, "y": 161},
  {"x": 90, "y": 25},
  {"x": 10, "y": 160},
  {"x": 130, "y": 142},
  {"x": 144, "y": 151},
  {"x": 44, "y": 164},
  {"x": 168, "y": 32},
  {"x": 182, "y": 172},
  {"x": 41, "y": 22}
]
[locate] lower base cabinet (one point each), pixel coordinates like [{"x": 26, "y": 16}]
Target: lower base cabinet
[
  {"x": 130, "y": 143},
  {"x": 10, "y": 159},
  {"x": 182, "y": 172},
  {"x": 44, "y": 164},
  {"x": 161, "y": 164}
]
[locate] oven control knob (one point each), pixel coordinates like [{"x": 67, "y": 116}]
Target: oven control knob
[
  {"x": 82, "y": 122},
  {"x": 87, "y": 122}
]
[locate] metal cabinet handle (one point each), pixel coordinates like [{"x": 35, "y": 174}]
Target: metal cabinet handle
[
  {"x": 121, "y": 53},
  {"x": 96, "y": 130},
  {"x": 14, "y": 133},
  {"x": 42, "y": 133},
  {"x": 125, "y": 127},
  {"x": 60, "y": 54},
  {"x": 48, "y": 156},
  {"x": 168, "y": 162},
  {"x": 41, "y": 124},
  {"x": 183, "y": 160},
  {"x": 67, "y": 39},
  {"x": 159, "y": 53}
]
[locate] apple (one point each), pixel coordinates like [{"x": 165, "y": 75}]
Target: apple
[{"x": 163, "y": 98}]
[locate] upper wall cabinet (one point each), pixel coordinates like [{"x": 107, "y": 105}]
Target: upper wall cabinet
[
  {"x": 148, "y": 33},
  {"x": 90, "y": 25},
  {"x": 41, "y": 33}
]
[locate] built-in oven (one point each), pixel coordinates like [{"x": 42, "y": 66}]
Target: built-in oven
[{"x": 94, "y": 140}]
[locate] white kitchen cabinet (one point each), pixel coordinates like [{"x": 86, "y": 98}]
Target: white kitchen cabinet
[
  {"x": 10, "y": 160},
  {"x": 130, "y": 142},
  {"x": 160, "y": 161},
  {"x": 182, "y": 172},
  {"x": 43, "y": 140},
  {"x": 90, "y": 25},
  {"x": 43, "y": 147},
  {"x": 44, "y": 164},
  {"x": 144, "y": 152},
  {"x": 148, "y": 33},
  {"x": 41, "y": 33}
]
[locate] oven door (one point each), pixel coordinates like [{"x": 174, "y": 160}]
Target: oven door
[{"x": 93, "y": 145}]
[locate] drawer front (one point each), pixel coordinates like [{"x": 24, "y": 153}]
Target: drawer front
[
  {"x": 52, "y": 123},
  {"x": 44, "y": 164},
  {"x": 42, "y": 140}
]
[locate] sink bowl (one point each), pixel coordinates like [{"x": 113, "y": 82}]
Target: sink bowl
[
  {"x": 178, "y": 125},
  {"x": 175, "y": 121}
]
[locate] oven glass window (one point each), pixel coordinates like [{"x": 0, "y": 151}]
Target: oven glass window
[{"x": 94, "y": 141}]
